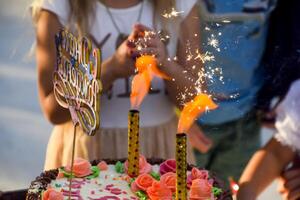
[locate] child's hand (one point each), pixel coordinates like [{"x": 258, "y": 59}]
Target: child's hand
[
  {"x": 151, "y": 44},
  {"x": 289, "y": 185},
  {"x": 123, "y": 64},
  {"x": 198, "y": 139}
]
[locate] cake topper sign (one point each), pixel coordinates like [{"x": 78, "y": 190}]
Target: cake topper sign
[{"x": 77, "y": 84}]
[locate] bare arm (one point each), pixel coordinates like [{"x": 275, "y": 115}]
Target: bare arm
[
  {"x": 263, "y": 168},
  {"x": 47, "y": 26},
  {"x": 185, "y": 82}
]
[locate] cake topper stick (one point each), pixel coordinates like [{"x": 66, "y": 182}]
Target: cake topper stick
[
  {"x": 77, "y": 84},
  {"x": 72, "y": 161}
]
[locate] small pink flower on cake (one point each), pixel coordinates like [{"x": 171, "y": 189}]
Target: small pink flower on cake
[
  {"x": 142, "y": 182},
  {"x": 167, "y": 166},
  {"x": 81, "y": 168},
  {"x": 144, "y": 166},
  {"x": 196, "y": 174},
  {"x": 51, "y": 194},
  {"x": 169, "y": 179},
  {"x": 102, "y": 166},
  {"x": 159, "y": 191},
  {"x": 60, "y": 175},
  {"x": 201, "y": 189}
]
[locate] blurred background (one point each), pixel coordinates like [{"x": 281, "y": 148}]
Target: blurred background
[
  {"x": 24, "y": 132},
  {"x": 23, "y": 129}
]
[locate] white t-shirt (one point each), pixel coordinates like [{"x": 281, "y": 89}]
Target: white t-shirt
[
  {"x": 288, "y": 118},
  {"x": 156, "y": 108}
]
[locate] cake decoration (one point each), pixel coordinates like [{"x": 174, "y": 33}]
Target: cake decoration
[
  {"x": 167, "y": 166},
  {"x": 77, "y": 84},
  {"x": 143, "y": 166},
  {"x": 190, "y": 112},
  {"x": 181, "y": 167},
  {"x": 76, "y": 80},
  {"x": 133, "y": 143},
  {"x": 51, "y": 194},
  {"x": 109, "y": 184}
]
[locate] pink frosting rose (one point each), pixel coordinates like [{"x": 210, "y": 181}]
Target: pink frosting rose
[
  {"x": 144, "y": 166},
  {"x": 102, "y": 166},
  {"x": 159, "y": 191},
  {"x": 51, "y": 194},
  {"x": 167, "y": 166},
  {"x": 196, "y": 174},
  {"x": 142, "y": 182},
  {"x": 169, "y": 179},
  {"x": 81, "y": 167},
  {"x": 201, "y": 189}
]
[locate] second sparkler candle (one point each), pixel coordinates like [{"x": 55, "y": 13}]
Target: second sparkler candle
[
  {"x": 191, "y": 110},
  {"x": 133, "y": 143},
  {"x": 181, "y": 166}
]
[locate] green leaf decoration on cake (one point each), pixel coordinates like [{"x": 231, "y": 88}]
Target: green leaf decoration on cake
[
  {"x": 217, "y": 191},
  {"x": 119, "y": 167},
  {"x": 66, "y": 174},
  {"x": 141, "y": 195},
  {"x": 95, "y": 172},
  {"x": 131, "y": 181},
  {"x": 155, "y": 175}
]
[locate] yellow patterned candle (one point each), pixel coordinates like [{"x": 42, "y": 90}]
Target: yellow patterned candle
[
  {"x": 133, "y": 143},
  {"x": 181, "y": 167}
]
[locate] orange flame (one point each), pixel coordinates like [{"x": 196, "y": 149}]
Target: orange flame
[
  {"x": 147, "y": 69},
  {"x": 194, "y": 109}
]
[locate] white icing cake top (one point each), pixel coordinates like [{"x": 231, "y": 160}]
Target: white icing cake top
[{"x": 108, "y": 185}]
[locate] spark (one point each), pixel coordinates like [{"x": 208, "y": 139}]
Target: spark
[
  {"x": 213, "y": 42},
  {"x": 173, "y": 13},
  {"x": 226, "y": 21},
  {"x": 204, "y": 57}
]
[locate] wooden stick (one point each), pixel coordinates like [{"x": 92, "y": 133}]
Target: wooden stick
[{"x": 72, "y": 161}]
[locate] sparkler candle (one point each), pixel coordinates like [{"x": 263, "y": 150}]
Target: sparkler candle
[
  {"x": 147, "y": 68},
  {"x": 181, "y": 167},
  {"x": 190, "y": 112},
  {"x": 133, "y": 143}
]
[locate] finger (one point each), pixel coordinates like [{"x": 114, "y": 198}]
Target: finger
[
  {"x": 198, "y": 144},
  {"x": 205, "y": 139},
  {"x": 147, "y": 51},
  {"x": 198, "y": 139},
  {"x": 148, "y": 42},
  {"x": 201, "y": 135},
  {"x": 291, "y": 174},
  {"x": 294, "y": 195},
  {"x": 141, "y": 27},
  {"x": 292, "y": 184},
  {"x": 280, "y": 187}
]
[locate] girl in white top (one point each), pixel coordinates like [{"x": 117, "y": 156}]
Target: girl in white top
[
  {"x": 108, "y": 23},
  {"x": 269, "y": 162}
]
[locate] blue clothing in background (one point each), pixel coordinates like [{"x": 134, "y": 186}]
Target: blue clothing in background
[{"x": 241, "y": 29}]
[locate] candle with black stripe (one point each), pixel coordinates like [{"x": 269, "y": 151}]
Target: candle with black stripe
[
  {"x": 133, "y": 143},
  {"x": 181, "y": 167}
]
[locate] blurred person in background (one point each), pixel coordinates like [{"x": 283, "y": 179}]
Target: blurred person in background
[
  {"x": 235, "y": 32},
  {"x": 282, "y": 67}
]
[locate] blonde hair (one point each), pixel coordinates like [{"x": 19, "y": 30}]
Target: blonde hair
[{"x": 82, "y": 12}]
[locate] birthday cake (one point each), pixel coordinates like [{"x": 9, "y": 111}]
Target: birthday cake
[{"x": 108, "y": 180}]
